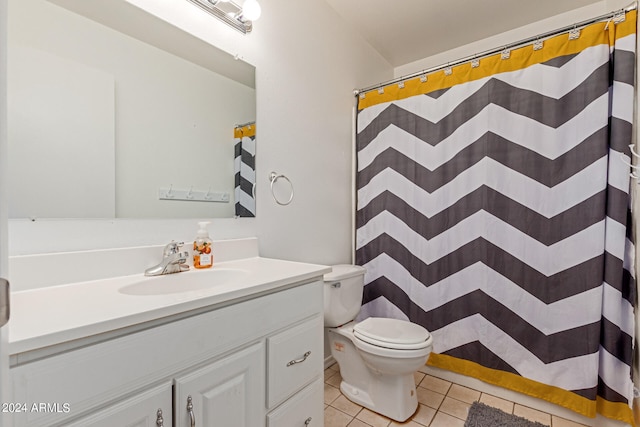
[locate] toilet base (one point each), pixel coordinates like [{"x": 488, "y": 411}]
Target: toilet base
[
  {"x": 356, "y": 395},
  {"x": 381, "y": 384},
  {"x": 393, "y": 396}
]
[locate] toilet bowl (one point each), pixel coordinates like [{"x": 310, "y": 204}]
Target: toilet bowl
[{"x": 377, "y": 356}]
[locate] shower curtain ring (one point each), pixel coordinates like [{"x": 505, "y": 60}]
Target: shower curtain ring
[
  {"x": 634, "y": 167},
  {"x": 448, "y": 71}
]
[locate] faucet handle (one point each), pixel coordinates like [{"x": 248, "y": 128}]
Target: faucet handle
[{"x": 172, "y": 248}]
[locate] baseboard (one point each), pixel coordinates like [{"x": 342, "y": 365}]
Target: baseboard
[{"x": 328, "y": 361}]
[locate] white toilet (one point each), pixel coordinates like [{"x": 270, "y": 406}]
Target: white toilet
[{"x": 378, "y": 356}]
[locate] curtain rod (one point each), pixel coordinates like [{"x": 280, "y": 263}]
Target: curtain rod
[
  {"x": 490, "y": 52},
  {"x": 246, "y": 124}
]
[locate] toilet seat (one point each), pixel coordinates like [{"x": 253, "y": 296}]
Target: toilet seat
[
  {"x": 392, "y": 353},
  {"x": 392, "y": 334}
]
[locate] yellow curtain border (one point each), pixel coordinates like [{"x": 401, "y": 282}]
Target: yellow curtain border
[
  {"x": 614, "y": 410},
  {"x": 520, "y": 58},
  {"x": 248, "y": 130}
]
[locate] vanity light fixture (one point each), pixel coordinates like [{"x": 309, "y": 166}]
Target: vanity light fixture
[
  {"x": 239, "y": 17},
  {"x": 251, "y": 10}
]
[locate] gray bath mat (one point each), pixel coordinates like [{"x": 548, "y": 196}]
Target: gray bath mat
[{"x": 481, "y": 415}]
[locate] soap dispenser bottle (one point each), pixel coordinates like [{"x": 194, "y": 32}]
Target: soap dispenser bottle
[{"x": 202, "y": 256}]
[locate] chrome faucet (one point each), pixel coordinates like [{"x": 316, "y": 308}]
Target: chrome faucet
[{"x": 173, "y": 261}]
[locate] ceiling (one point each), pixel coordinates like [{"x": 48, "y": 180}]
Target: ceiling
[{"x": 408, "y": 30}]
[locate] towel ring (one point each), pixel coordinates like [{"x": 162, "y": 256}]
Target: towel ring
[{"x": 273, "y": 177}]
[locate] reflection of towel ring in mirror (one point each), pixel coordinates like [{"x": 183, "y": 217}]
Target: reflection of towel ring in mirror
[{"x": 273, "y": 177}]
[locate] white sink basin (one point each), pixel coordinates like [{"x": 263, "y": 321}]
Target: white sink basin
[{"x": 183, "y": 282}]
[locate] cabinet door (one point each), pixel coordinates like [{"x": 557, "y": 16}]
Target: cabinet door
[
  {"x": 138, "y": 411},
  {"x": 227, "y": 392}
]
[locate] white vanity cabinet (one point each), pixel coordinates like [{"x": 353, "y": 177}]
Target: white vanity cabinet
[{"x": 256, "y": 362}]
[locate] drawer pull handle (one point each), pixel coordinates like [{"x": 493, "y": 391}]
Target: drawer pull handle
[
  {"x": 307, "y": 421},
  {"x": 304, "y": 357},
  {"x": 159, "y": 419},
  {"x": 190, "y": 410}
]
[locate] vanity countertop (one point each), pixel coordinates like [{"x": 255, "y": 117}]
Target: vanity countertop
[{"x": 57, "y": 314}]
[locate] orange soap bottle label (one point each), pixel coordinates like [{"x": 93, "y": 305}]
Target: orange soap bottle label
[{"x": 202, "y": 256}]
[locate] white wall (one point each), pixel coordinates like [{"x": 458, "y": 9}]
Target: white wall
[
  {"x": 61, "y": 128},
  {"x": 524, "y": 32},
  {"x": 308, "y": 63}
]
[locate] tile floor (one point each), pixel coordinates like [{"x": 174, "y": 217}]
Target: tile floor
[{"x": 441, "y": 404}]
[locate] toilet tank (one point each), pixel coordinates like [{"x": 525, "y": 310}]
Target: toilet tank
[{"x": 343, "y": 289}]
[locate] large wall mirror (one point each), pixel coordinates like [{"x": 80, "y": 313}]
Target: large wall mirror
[{"x": 110, "y": 106}]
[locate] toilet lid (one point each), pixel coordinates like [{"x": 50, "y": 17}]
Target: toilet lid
[{"x": 392, "y": 333}]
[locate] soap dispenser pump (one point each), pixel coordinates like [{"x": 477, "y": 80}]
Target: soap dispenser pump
[{"x": 202, "y": 256}]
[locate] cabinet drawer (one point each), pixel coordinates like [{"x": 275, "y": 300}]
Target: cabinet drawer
[
  {"x": 295, "y": 357},
  {"x": 305, "y": 409}
]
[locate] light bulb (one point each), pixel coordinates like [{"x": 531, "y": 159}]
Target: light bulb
[{"x": 251, "y": 10}]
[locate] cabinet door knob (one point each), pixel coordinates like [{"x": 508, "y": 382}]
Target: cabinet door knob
[
  {"x": 190, "y": 410},
  {"x": 307, "y": 421},
  {"x": 304, "y": 357},
  {"x": 159, "y": 419}
]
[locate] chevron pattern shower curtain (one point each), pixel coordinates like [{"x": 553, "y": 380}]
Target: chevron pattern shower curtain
[
  {"x": 245, "y": 170},
  {"x": 493, "y": 209}
]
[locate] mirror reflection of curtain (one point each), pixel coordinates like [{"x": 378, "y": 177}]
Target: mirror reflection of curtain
[
  {"x": 245, "y": 170},
  {"x": 493, "y": 209}
]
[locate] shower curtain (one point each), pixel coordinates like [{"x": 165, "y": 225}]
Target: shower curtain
[
  {"x": 245, "y": 170},
  {"x": 493, "y": 209}
]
